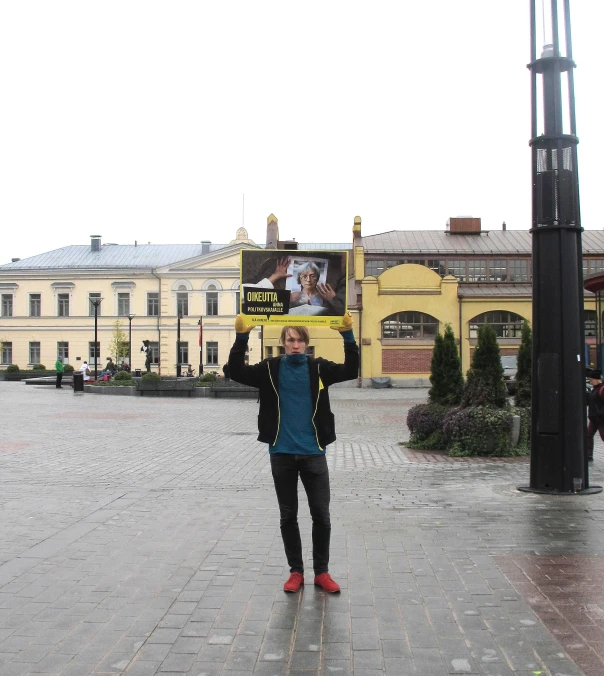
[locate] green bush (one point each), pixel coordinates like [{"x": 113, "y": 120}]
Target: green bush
[
  {"x": 68, "y": 368},
  {"x": 203, "y": 383},
  {"x": 524, "y": 371},
  {"x": 150, "y": 377},
  {"x": 38, "y": 367},
  {"x": 124, "y": 375},
  {"x": 480, "y": 430},
  {"x": 445, "y": 370},
  {"x": 425, "y": 422},
  {"x": 484, "y": 384},
  {"x": 13, "y": 368},
  {"x": 209, "y": 377}
]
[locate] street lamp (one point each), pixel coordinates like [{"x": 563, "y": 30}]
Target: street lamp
[
  {"x": 96, "y": 302},
  {"x": 178, "y": 347},
  {"x": 200, "y": 324},
  {"x": 558, "y": 458},
  {"x": 130, "y": 318}
]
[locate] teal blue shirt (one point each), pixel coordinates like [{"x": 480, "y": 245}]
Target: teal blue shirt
[{"x": 296, "y": 430}]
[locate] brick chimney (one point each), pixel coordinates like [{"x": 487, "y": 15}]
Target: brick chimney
[
  {"x": 272, "y": 232},
  {"x": 463, "y": 225}
]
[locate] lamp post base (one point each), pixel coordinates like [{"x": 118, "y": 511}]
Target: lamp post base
[{"x": 592, "y": 490}]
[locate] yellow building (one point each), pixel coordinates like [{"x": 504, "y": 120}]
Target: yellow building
[
  {"x": 410, "y": 283},
  {"x": 48, "y": 304}
]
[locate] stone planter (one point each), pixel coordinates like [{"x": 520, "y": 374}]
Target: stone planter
[
  {"x": 120, "y": 391},
  {"x": 178, "y": 387}
]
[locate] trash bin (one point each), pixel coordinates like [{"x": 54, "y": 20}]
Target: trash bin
[
  {"x": 137, "y": 373},
  {"x": 78, "y": 382}
]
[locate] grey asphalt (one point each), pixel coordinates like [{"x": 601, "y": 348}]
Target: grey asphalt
[{"x": 141, "y": 536}]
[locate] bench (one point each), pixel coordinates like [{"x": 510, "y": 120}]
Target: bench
[
  {"x": 232, "y": 390},
  {"x": 180, "y": 387}
]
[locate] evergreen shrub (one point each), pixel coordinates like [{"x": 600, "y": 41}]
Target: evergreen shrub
[
  {"x": 445, "y": 370},
  {"x": 484, "y": 383},
  {"x": 68, "y": 368},
  {"x": 209, "y": 377},
  {"x": 122, "y": 375},
  {"x": 524, "y": 370},
  {"x": 12, "y": 368},
  {"x": 38, "y": 367},
  {"x": 150, "y": 377},
  {"x": 425, "y": 422}
]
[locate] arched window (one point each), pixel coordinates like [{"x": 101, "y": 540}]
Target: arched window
[
  {"x": 506, "y": 324},
  {"x": 590, "y": 319},
  {"x": 409, "y": 324}
]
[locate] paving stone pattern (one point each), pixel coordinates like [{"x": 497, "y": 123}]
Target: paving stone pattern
[{"x": 141, "y": 537}]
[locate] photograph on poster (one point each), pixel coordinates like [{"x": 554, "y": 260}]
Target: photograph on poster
[{"x": 280, "y": 284}]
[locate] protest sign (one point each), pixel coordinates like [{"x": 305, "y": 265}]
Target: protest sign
[{"x": 294, "y": 287}]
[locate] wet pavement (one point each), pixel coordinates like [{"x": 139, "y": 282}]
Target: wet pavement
[{"x": 141, "y": 537}]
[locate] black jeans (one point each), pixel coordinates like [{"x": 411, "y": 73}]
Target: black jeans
[
  {"x": 59, "y": 379},
  {"x": 313, "y": 471}
]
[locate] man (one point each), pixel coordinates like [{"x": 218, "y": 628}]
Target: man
[
  {"x": 595, "y": 411},
  {"x": 60, "y": 369},
  {"x": 296, "y": 421}
]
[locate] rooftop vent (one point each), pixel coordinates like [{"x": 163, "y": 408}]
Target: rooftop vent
[
  {"x": 95, "y": 242},
  {"x": 15, "y": 260}
]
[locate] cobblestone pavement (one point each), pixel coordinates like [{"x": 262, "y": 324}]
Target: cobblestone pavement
[{"x": 141, "y": 536}]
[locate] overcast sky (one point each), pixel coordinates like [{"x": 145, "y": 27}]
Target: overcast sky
[{"x": 149, "y": 120}]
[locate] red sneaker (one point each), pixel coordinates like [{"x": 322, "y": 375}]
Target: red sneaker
[
  {"x": 296, "y": 580},
  {"x": 326, "y": 583}
]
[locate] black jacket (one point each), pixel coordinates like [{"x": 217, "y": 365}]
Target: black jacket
[
  {"x": 595, "y": 409},
  {"x": 265, "y": 376}
]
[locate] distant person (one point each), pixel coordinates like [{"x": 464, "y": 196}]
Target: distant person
[
  {"x": 190, "y": 371},
  {"x": 595, "y": 411},
  {"x": 85, "y": 371},
  {"x": 60, "y": 369}
]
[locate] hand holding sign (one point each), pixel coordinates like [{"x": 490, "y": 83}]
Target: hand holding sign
[
  {"x": 346, "y": 324},
  {"x": 242, "y": 325}
]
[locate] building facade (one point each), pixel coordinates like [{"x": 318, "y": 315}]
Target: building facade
[
  {"x": 404, "y": 286},
  {"x": 409, "y": 284}
]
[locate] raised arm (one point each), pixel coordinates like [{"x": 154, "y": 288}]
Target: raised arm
[
  {"x": 331, "y": 372},
  {"x": 240, "y": 371}
]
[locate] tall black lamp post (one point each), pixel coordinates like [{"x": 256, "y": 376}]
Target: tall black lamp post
[
  {"x": 200, "y": 324},
  {"x": 558, "y": 458},
  {"x": 178, "y": 346},
  {"x": 130, "y": 318},
  {"x": 96, "y": 302}
]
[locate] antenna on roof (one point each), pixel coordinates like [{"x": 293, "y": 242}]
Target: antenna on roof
[{"x": 243, "y": 210}]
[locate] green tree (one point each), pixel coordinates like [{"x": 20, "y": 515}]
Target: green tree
[
  {"x": 525, "y": 367},
  {"x": 445, "y": 370},
  {"x": 118, "y": 345},
  {"x": 484, "y": 383}
]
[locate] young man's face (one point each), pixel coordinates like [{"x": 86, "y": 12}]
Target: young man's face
[{"x": 293, "y": 343}]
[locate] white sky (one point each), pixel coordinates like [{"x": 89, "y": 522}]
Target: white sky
[{"x": 148, "y": 120}]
